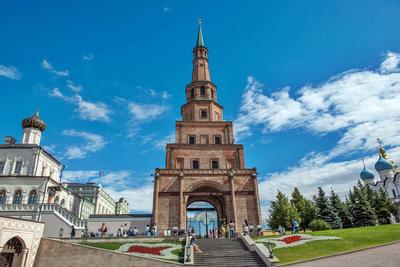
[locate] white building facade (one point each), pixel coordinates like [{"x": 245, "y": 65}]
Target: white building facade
[
  {"x": 389, "y": 178},
  {"x": 31, "y": 188}
]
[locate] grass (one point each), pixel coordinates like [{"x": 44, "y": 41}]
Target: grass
[
  {"x": 352, "y": 239},
  {"x": 117, "y": 245}
]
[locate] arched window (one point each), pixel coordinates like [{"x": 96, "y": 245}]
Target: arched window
[
  {"x": 192, "y": 93},
  {"x": 17, "y": 197},
  {"x": 203, "y": 91},
  {"x": 3, "y": 196},
  {"x": 32, "y": 197}
]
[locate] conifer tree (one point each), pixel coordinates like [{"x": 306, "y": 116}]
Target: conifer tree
[
  {"x": 305, "y": 208},
  {"x": 384, "y": 207},
  {"x": 340, "y": 208},
  {"x": 363, "y": 213},
  {"x": 281, "y": 212},
  {"x": 325, "y": 211}
]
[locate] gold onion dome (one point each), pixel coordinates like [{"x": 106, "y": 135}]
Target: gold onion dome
[{"x": 34, "y": 122}]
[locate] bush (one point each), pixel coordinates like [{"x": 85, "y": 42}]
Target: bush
[{"x": 318, "y": 225}]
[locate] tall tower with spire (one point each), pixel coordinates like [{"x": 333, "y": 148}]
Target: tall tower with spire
[{"x": 204, "y": 164}]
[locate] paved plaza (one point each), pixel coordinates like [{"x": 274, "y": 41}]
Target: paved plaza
[{"x": 383, "y": 256}]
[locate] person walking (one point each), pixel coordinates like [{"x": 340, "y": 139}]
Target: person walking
[
  {"x": 72, "y": 231},
  {"x": 196, "y": 247}
]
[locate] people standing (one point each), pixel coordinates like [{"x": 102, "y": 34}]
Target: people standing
[
  {"x": 231, "y": 230},
  {"x": 135, "y": 231},
  {"x": 103, "y": 229},
  {"x": 223, "y": 231},
  {"x": 147, "y": 230}
]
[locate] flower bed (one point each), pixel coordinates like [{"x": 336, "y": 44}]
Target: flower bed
[
  {"x": 152, "y": 250},
  {"x": 294, "y": 240}
]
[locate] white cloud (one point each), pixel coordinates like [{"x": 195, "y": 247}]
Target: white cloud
[
  {"x": 10, "y": 72},
  {"x": 162, "y": 142},
  {"x": 93, "y": 143},
  {"x": 76, "y": 88},
  {"x": 88, "y": 57},
  {"x": 92, "y": 111},
  {"x": 162, "y": 94},
  {"x": 117, "y": 184},
  {"x": 390, "y": 63},
  {"x": 166, "y": 8},
  {"x": 142, "y": 112},
  {"x": 360, "y": 104},
  {"x": 47, "y": 66}
]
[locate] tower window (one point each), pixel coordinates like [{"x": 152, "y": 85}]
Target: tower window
[
  {"x": 192, "y": 93},
  {"x": 217, "y": 140},
  {"x": 203, "y": 91},
  {"x": 18, "y": 167},
  {"x": 203, "y": 114},
  {"x": 195, "y": 164},
  {"x": 214, "y": 164},
  {"x": 192, "y": 139},
  {"x": 2, "y": 166}
]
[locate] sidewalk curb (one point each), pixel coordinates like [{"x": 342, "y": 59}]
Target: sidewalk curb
[{"x": 338, "y": 254}]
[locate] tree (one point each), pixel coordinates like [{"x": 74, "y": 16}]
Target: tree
[
  {"x": 384, "y": 207},
  {"x": 305, "y": 208},
  {"x": 281, "y": 212},
  {"x": 363, "y": 213},
  {"x": 340, "y": 209},
  {"x": 325, "y": 211}
]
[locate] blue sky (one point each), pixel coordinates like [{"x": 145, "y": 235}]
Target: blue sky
[{"x": 310, "y": 85}]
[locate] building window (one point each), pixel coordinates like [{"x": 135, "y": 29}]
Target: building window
[
  {"x": 32, "y": 199},
  {"x": 18, "y": 167},
  {"x": 217, "y": 140},
  {"x": 202, "y": 91},
  {"x": 203, "y": 114},
  {"x": 192, "y": 139},
  {"x": 192, "y": 93},
  {"x": 62, "y": 204},
  {"x": 2, "y": 167},
  {"x": 214, "y": 164},
  {"x": 195, "y": 164},
  {"x": 3, "y": 196},
  {"x": 212, "y": 94},
  {"x": 17, "y": 197}
]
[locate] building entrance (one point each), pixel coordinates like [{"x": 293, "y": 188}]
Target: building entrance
[{"x": 202, "y": 219}]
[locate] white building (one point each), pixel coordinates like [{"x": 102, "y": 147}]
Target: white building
[
  {"x": 122, "y": 206},
  {"x": 31, "y": 188},
  {"x": 389, "y": 178}
]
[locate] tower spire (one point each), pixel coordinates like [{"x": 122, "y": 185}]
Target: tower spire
[{"x": 200, "y": 41}]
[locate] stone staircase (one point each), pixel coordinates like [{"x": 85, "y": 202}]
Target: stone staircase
[{"x": 225, "y": 253}]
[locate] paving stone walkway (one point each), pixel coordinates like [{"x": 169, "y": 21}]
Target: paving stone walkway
[{"x": 384, "y": 256}]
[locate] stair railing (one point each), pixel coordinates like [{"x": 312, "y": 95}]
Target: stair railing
[{"x": 189, "y": 253}]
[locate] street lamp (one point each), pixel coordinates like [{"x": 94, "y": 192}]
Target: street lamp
[
  {"x": 270, "y": 250},
  {"x": 61, "y": 232}
]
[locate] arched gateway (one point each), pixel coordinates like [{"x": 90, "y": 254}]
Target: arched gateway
[{"x": 204, "y": 164}]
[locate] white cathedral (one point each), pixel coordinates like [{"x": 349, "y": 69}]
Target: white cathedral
[
  {"x": 31, "y": 186},
  {"x": 389, "y": 178}
]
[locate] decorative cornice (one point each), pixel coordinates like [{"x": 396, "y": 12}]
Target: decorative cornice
[{"x": 208, "y": 172}]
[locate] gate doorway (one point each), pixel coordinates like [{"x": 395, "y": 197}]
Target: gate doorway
[{"x": 202, "y": 219}]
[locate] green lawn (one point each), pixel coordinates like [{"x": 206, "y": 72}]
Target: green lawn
[
  {"x": 352, "y": 239},
  {"x": 117, "y": 245}
]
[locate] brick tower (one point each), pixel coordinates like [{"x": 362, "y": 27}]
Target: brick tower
[{"x": 204, "y": 163}]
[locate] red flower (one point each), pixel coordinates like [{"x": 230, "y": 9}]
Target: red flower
[
  {"x": 291, "y": 239},
  {"x": 146, "y": 250}
]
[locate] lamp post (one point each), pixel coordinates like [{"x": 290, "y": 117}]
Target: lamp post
[{"x": 270, "y": 250}]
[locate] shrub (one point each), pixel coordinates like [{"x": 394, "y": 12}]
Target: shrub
[{"x": 317, "y": 225}]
